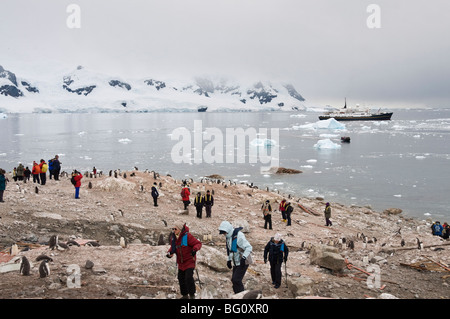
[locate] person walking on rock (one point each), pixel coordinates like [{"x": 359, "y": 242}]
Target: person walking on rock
[
  {"x": 20, "y": 172},
  {"x": 282, "y": 209},
  {"x": 76, "y": 181},
  {"x": 43, "y": 174},
  {"x": 288, "y": 212},
  {"x": 185, "y": 193},
  {"x": 56, "y": 164},
  {"x": 278, "y": 252},
  {"x": 209, "y": 203},
  {"x": 327, "y": 213},
  {"x": 185, "y": 246},
  {"x": 239, "y": 253},
  {"x": 267, "y": 213},
  {"x": 199, "y": 203},
  {"x": 155, "y": 195},
  {"x": 36, "y": 171},
  {"x": 2, "y": 184}
]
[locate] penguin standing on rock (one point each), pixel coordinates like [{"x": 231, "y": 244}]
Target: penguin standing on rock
[
  {"x": 53, "y": 242},
  {"x": 44, "y": 269},
  {"x": 25, "y": 266}
]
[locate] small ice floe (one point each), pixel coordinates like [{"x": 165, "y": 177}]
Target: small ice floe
[
  {"x": 326, "y": 144},
  {"x": 311, "y": 161},
  {"x": 420, "y": 157},
  {"x": 398, "y": 195},
  {"x": 263, "y": 142},
  {"x": 124, "y": 140},
  {"x": 3, "y": 116},
  {"x": 81, "y": 133}
]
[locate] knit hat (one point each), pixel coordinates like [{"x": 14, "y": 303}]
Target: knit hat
[
  {"x": 179, "y": 225},
  {"x": 277, "y": 237}
]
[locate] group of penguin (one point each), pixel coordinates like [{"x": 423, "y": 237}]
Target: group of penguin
[{"x": 44, "y": 268}]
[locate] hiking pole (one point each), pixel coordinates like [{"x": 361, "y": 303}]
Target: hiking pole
[
  {"x": 198, "y": 278},
  {"x": 285, "y": 272}
]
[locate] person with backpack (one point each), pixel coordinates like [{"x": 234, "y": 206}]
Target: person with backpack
[
  {"x": 76, "y": 182},
  {"x": 43, "y": 175},
  {"x": 437, "y": 228},
  {"x": 267, "y": 214},
  {"x": 288, "y": 212},
  {"x": 208, "y": 201},
  {"x": 26, "y": 175},
  {"x": 185, "y": 246},
  {"x": 278, "y": 252},
  {"x": 199, "y": 203},
  {"x": 327, "y": 213},
  {"x": 185, "y": 193},
  {"x": 155, "y": 195},
  {"x": 239, "y": 253}
]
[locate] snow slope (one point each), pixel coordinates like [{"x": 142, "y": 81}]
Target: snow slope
[{"x": 85, "y": 90}]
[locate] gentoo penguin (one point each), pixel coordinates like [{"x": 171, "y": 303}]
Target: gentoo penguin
[
  {"x": 62, "y": 246},
  {"x": 43, "y": 257},
  {"x": 419, "y": 244},
  {"x": 36, "y": 190},
  {"x": 72, "y": 243},
  {"x": 25, "y": 266},
  {"x": 351, "y": 245},
  {"x": 44, "y": 269},
  {"x": 92, "y": 244},
  {"x": 123, "y": 242},
  {"x": 53, "y": 242},
  {"x": 402, "y": 243}
]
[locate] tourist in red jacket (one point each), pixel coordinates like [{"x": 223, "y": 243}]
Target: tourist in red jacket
[
  {"x": 36, "y": 171},
  {"x": 76, "y": 181},
  {"x": 185, "y": 193},
  {"x": 185, "y": 246}
]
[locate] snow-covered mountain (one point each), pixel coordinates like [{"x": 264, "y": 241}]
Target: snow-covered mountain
[{"x": 84, "y": 90}]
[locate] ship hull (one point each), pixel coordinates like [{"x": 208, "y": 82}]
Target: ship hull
[{"x": 369, "y": 117}]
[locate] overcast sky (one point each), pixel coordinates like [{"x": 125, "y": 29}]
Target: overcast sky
[{"x": 323, "y": 47}]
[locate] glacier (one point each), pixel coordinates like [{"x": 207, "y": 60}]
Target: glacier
[{"x": 80, "y": 89}]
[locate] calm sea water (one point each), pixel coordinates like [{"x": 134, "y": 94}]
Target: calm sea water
[{"x": 402, "y": 163}]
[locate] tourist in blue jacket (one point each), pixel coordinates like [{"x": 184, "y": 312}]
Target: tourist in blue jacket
[{"x": 239, "y": 253}]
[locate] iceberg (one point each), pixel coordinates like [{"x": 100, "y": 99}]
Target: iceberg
[
  {"x": 326, "y": 144},
  {"x": 330, "y": 124},
  {"x": 3, "y": 116}
]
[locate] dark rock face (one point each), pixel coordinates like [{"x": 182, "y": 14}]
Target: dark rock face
[
  {"x": 262, "y": 94},
  {"x": 29, "y": 87},
  {"x": 157, "y": 84},
  {"x": 121, "y": 84},
  {"x": 293, "y": 92},
  {"x": 8, "y": 75},
  {"x": 82, "y": 90},
  {"x": 10, "y": 90}
]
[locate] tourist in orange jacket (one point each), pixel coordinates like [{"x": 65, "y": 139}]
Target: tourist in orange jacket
[{"x": 36, "y": 171}]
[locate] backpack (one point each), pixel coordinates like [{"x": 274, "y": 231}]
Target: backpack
[
  {"x": 44, "y": 168},
  {"x": 289, "y": 209},
  {"x": 73, "y": 181}
]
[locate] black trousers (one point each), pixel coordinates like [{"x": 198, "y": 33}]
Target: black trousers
[
  {"x": 155, "y": 200},
  {"x": 1, "y": 196},
  {"x": 186, "y": 280},
  {"x": 208, "y": 210},
  {"x": 275, "y": 273},
  {"x": 199, "y": 211},
  {"x": 268, "y": 220},
  {"x": 236, "y": 278},
  {"x": 43, "y": 177}
]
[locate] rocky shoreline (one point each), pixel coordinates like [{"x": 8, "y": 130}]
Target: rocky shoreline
[{"x": 365, "y": 254}]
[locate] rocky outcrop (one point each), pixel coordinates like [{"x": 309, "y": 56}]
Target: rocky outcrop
[{"x": 327, "y": 257}]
